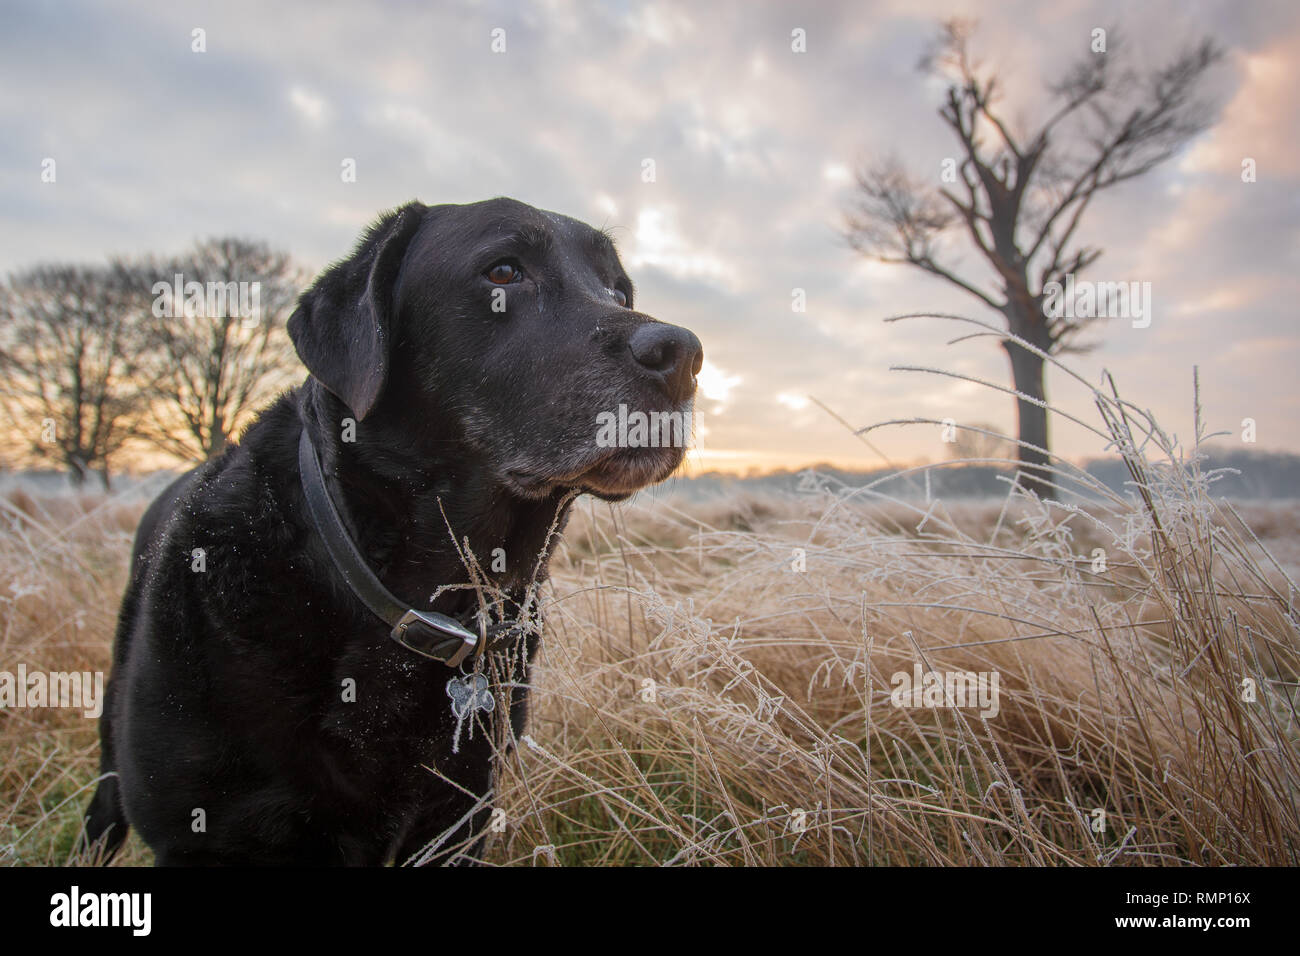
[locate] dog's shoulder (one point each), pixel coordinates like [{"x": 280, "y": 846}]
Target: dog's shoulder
[{"x": 227, "y": 521}]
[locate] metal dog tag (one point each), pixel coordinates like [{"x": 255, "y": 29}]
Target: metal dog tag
[{"x": 470, "y": 694}]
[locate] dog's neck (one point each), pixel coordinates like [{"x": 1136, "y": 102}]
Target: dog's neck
[{"x": 420, "y": 506}]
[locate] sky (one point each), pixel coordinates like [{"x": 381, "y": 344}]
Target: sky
[{"x": 753, "y": 145}]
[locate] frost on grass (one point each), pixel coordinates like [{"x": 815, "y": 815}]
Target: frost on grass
[
  {"x": 1125, "y": 628},
  {"x": 697, "y": 701}
]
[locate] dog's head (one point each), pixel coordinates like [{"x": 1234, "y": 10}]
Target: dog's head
[{"x": 513, "y": 329}]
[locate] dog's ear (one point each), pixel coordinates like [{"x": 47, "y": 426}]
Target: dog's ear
[{"x": 342, "y": 325}]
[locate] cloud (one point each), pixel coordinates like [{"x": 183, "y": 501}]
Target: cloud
[
  {"x": 754, "y": 147},
  {"x": 312, "y": 107},
  {"x": 1260, "y": 122},
  {"x": 715, "y": 384},
  {"x": 658, "y": 242}
]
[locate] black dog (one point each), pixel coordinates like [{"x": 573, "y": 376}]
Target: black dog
[{"x": 259, "y": 709}]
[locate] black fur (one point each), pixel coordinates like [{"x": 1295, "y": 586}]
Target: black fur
[{"x": 227, "y": 694}]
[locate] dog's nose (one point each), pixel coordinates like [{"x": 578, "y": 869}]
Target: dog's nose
[{"x": 672, "y": 353}]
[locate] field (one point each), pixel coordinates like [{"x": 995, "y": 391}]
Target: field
[{"x": 715, "y": 682}]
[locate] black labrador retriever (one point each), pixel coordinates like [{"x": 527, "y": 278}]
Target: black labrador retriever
[{"x": 265, "y": 705}]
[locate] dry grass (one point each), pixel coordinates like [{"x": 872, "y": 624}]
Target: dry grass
[
  {"x": 770, "y": 737},
  {"x": 63, "y": 564},
  {"x": 698, "y": 701},
  {"x": 772, "y": 692}
]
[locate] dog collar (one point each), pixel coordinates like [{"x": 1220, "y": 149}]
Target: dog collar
[{"x": 427, "y": 633}]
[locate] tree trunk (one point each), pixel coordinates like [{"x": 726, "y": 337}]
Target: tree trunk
[
  {"x": 77, "y": 468},
  {"x": 1027, "y": 377},
  {"x": 217, "y": 440}
]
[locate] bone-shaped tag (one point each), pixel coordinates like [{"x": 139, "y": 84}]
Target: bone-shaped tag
[{"x": 469, "y": 694}]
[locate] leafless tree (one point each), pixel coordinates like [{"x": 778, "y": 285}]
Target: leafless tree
[
  {"x": 69, "y": 372},
  {"x": 1017, "y": 196},
  {"x": 217, "y": 346}
]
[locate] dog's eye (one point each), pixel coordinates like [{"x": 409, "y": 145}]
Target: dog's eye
[
  {"x": 504, "y": 273},
  {"x": 620, "y": 297}
]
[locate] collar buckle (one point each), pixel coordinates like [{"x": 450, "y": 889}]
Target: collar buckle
[{"x": 435, "y": 636}]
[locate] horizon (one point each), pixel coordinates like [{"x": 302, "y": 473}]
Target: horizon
[{"x": 692, "y": 468}]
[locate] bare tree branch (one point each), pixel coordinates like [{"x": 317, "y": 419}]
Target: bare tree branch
[
  {"x": 1025, "y": 197},
  {"x": 216, "y": 338},
  {"x": 71, "y": 373}
]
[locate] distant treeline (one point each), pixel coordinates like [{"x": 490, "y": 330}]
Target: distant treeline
[
  {"x": 1248, "y": 474},
  {"x": 165, "y": 355}
]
